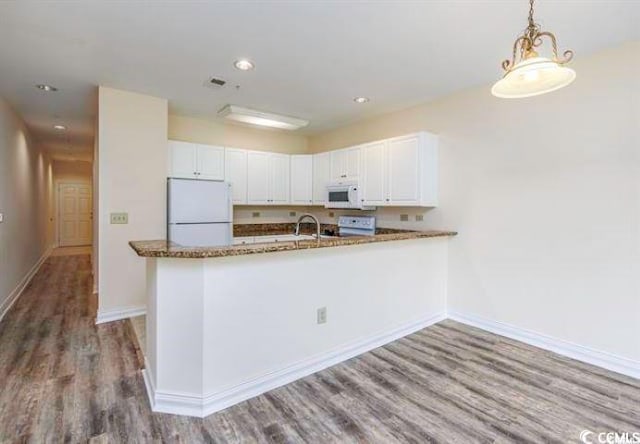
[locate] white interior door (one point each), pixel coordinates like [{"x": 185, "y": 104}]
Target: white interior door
[{"x": 75, "y": 214}]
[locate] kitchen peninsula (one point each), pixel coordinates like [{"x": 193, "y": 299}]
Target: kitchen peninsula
[{"x": 225, "y": 324}]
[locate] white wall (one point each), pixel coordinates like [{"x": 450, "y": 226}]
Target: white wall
[
  {"x": 132, "y": 165},
  {"x": 25, "y": 201},
  {"x": 545, "y": 193}
]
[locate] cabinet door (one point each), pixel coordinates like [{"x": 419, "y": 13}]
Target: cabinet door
[
  {"x": 404, "y": 171},
  {"x": 351, "y": 163},
  {"x": 321, "y": 177},
  {"x": 182, "y": 160},
  {"x": 279, "y": 181},
  {"x": 235, "y": 172},
  {"x": 302, "y": 179},
  {"x": 338, "y": 166},
  {"x": 373, "y": 183},
  {"x": 258, "y": 178},
  {"x": 210, "y": 162}
]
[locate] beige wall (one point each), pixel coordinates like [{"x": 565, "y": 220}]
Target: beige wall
[
  {"x": 64, "y": 170},
  {"x": 545, "y": 193},
  {"x": 195, "y": 130},
  {"x": 25, "y": 201},
  {"x": 132, "y": 165}
]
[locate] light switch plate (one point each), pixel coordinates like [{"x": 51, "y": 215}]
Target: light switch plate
[
  {"x": 1, "y": 217},
  {"x": 119, "y": 218},
  {"x": 255, "y": 214},
  {"x": 292, "y": 213}
]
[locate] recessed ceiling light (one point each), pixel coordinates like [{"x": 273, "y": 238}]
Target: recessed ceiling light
[
  {"x": 244, "y": 64},
  {"x": 47, "y": 88},
  {"x": 361, "y": 99},
  {"x": 59, "y": 127}
]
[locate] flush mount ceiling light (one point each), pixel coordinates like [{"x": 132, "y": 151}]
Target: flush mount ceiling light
[
  {"x": 59, "y": 127},
  {"x": 47, "y": 88},
  {"x": 361, "y": 99},
  {"x": 527, "y": 73},
  {"x": 251, "y": 116},
  {"x": 244, "y": 65}
]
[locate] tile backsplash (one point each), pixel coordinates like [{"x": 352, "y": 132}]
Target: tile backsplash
[{"x": 408, "y": 218}]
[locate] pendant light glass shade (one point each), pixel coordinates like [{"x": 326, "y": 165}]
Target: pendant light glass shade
[
  {"x": 532, "y": 77},
  {"x": 526, "y": 73}
]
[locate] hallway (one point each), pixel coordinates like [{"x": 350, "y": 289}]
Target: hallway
[{"x": 66, "y": 379}]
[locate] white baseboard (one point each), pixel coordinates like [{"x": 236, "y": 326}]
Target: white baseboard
[
  {"x": 598, "y": 358},
  {"x": 119, "y": 314},
  {"x": 17, "y": 292},
  {"x": 193, "y": 405}
]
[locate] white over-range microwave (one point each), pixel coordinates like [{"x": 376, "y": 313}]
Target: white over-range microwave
[{"x": 345, "y": 195}]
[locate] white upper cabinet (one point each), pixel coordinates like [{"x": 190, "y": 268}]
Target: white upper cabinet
[
  {"x": 404, "y": 162},
  {"x": 279, "y": 178},
  {"x": 373, "y": 183},
  {"x": 258, "y": 177},
  {"x": 195, "y": 161},
  {"x": 210, "y": 162},
  {"x": 235, "y": 167},
  {"x": 183, "y": 160},
  {"x": 267, "y": 178},
  {"x": 321, "y": 177},
  {"x": 401, "y": 171},
  {"x": 345, "y": 164},
  {"x": 302, "y": 179}
]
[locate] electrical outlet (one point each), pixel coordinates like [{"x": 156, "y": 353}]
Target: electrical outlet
[
  {"x": 419, "y": 217},
  {"x": 255, "y": 214},
  {"x": 404, "y": 217},
  {"x": 119, "y": 218},
  {"x": 331, "y": 214},
  {"x": 1, "y": 217},
  {"x": 322, "y": 315},
  {"x": 292, "y": 213}
]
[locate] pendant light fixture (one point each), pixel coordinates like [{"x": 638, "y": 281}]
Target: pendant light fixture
[{"x": 527, "y": 73}]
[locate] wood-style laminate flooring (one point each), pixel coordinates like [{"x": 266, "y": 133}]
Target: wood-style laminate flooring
[{"x": 64, "y": 379}]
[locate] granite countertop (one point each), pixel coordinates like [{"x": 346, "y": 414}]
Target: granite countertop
[{"x": 161, "y": 248}]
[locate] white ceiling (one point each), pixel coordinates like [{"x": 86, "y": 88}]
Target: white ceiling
[{"x": 311, "y": 58}]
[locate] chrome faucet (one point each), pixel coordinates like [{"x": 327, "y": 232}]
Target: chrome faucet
[{"x": 315, "y": 219}]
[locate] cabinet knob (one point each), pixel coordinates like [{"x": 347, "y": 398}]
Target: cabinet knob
[{"x": 387, "y": 200}]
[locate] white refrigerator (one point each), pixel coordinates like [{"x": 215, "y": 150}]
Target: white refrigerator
[{"x": 199, "y": 212}]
